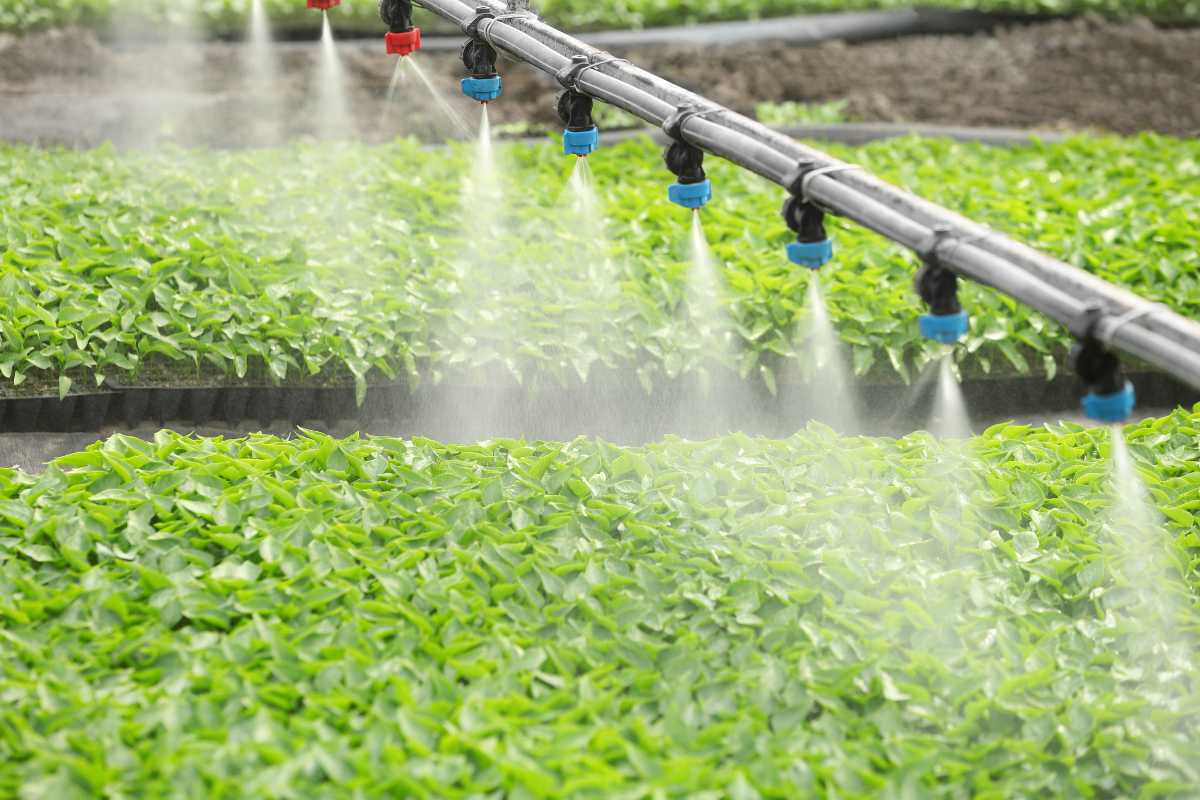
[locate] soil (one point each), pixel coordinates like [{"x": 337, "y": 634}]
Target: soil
[{"x": 68, "y": 88}]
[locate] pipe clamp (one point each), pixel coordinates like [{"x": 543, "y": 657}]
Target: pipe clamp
[
  {"x": 673, "y": 125},
  {"x": 569, "y": 75},
  {"x": 472, "y": 27}
]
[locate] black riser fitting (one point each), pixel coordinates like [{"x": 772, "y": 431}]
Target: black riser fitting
[
  {"x": 396, "y": 14},
  {"x": 479, "y": 58},
  {"x": 1097, "y": 366},
  {"x": 685, "y": 162},
  {"x": 938, "y": 287},
  {"x": 575, "y": 111},
  {"x": 806, "y": 220}
]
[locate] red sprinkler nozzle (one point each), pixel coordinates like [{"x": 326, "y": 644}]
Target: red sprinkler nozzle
[
  {"x": 403, "y": 43},
  {"x": 324, "y": 5}
]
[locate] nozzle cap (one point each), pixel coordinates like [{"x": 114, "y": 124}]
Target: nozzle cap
[
  {"x": 944, "y": 328},
  {"x": 691, "y": 195},
  {"x": 402, "y": 43},
  {"x": 580, "y": 143},
  {"x": 482, "y": 89},
  {"x": 1115, "y": 407},
  {"x": 813, "y": 255}
]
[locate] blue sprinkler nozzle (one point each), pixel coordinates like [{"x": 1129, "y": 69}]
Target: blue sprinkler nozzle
[
  {"x": 581, "y": 143},
  {"x": 691, "y": 195},
  {"x": 483, "y": 90},
  {"x": 1115, "y": 407},
  {"x": 813, "y": 255},
  {"x": 944, "y": 328}
]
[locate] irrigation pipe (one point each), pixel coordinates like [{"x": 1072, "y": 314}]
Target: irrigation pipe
[
  {"x": 856, "y": 133},
  {"x": 1048, "y": 285}
]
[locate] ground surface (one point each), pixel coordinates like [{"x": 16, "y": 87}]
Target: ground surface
[
  {"x": 744, "y": 618},
  {"x": 1130, "y": 77}
]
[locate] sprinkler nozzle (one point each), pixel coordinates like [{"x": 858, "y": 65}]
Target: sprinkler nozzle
[
  {"x": 944, "y": 328},
  {"x": 946, "y": 321},
  {"x": 483, "y": 90},
  {"x": 1109, "y": 397},
  {"x": 324, "y": 5},
  {"x": 690, "y": 195},
  {"x": 813, "y": 255},
  {"x": 581, "y": 137},
  {"x": 403, "y": 43},
  {"x": 813, "y": 248},
  {"x": 1114, "y": 407},
  {"x": 693, "y": 189},
  {"x": 482, "y": 84},
  {"x": 581, "y": 143},
  {"x": 402, "y": 38}
]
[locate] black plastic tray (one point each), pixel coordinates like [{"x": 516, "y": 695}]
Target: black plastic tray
[
  {"x": 234, "y": 406},
  {"x": 612, "y": 404}
]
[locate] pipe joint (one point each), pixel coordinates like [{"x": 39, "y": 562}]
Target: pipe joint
[
  {"x": 472, "y": 27},
  {"x": 673, "y": 125},
  {"x": 798, "y": 180}
]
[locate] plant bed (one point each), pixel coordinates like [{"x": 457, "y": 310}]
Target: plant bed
[
  {"x": 819, "y": 616},
  {"x": 175, "y": 266}
]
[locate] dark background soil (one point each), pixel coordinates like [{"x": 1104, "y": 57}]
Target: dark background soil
[{"x": 68, "y": 88}]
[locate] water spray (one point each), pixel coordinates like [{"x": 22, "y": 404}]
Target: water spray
[
  {"x": 482, "y": 84},
  {"x": 693, "y": 189},
  {"x": 813, "y": 248},
  {"x": 402, "y": 38},
  {"x": 937, "y": 286},
  {"x": 1109, "y": 396}
]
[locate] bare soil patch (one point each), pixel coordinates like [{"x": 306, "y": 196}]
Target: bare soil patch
[{"x": 69, "y": 88}]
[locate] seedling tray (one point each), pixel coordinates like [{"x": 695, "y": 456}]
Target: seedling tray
[{"x": 612, "y": 405}]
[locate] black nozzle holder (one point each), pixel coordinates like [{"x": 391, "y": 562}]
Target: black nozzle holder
[
  {"x": 685, "y": 162},
  {"x": 1097, "y": 367},
  {"x": 805, "y": 219},
  {"x": 397, "y": 15},
  {"x": 934, "y": 284},
  {"x": 575, "y": 111},
  {"x": 479, "y": 57}
]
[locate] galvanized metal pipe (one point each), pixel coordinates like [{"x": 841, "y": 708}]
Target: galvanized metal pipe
[{"x": 1060, "y": 291}]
